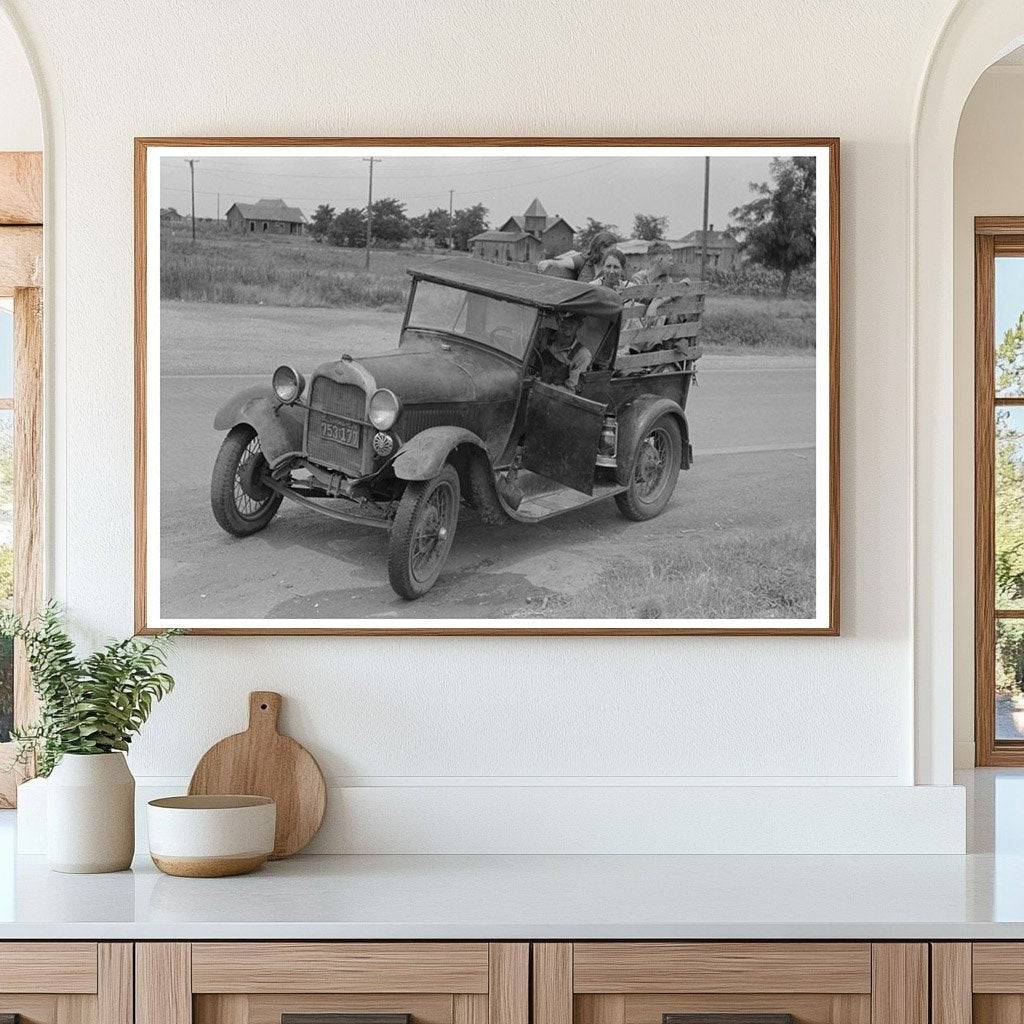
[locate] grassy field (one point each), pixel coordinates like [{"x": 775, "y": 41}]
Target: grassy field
[
  {"x": 735, "y": 575},
  {"x": 288, "y": 271}
]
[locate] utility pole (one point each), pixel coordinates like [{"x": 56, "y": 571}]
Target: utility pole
[
  {"x": 218, "y": 207},
  {"x": 451, "y": 218},
  {"x": 371, "y": 160},
  {"x": 704, "y": 233},
  {"x": 192, "y": 173}
]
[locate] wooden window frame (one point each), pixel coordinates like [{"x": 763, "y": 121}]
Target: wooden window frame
[{"x": 21, "y": 270}]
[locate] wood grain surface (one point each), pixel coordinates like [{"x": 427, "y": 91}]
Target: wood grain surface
[{"x": 262, "y": 762}]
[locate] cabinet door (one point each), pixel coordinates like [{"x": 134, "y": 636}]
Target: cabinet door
[
  {"x": 332, "y": 983},
  {"x": 981, "y": 982},
  {"x": 737, "y": 982},
  {"x": 66, "y": 982}
]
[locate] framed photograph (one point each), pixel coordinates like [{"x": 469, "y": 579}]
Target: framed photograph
[{"x": 487, "y": 386}]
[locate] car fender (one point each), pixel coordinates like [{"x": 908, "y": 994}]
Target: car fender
[
  {"x": 634, "y": 420},
  {"x": 422, "y": 457},
  {"x": 279, "y": 426}
]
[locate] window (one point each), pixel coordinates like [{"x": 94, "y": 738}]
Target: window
[{"x": 999, "y": 491}]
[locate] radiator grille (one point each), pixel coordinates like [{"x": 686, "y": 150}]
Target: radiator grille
[{"x": 342, "y": 401}]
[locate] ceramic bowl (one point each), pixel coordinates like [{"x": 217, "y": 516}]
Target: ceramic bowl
[{"x": 211, "y": 836}]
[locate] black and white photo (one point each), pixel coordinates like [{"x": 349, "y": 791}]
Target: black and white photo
[{"x": 460, "y": 387}]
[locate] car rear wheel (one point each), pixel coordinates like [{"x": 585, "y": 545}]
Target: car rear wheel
[
  {"x": 659, "y": 456},
  {"x": 242, "y": 504},
  {"x": 422, "y": 533}
]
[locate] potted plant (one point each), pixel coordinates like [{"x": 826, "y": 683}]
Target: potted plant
[{"x": 89, "y": 710}]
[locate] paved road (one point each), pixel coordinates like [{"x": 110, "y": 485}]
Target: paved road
[{"x": 752, "y": 425}]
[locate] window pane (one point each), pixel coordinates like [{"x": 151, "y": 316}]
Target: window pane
[
  {"x": 1009, "y": 679},
  {"x": 1009, "y": 512},
  {"x": 1009, "y": 324},
  {"x": 6, "y": 564}
]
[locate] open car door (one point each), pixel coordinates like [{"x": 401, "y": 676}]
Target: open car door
[{"x": 562, "y": 435}]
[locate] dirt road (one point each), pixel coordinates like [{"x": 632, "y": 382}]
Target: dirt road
[{"x": 751, "y": 421}]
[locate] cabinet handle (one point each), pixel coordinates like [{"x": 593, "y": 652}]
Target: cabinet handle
[
  {"x": 336, "y": 1018},
  {"x": 728, "y": 1018}
]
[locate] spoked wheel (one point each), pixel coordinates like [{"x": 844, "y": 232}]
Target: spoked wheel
[
  {"x": 242, "y": 503},
  {"x": 659, "y": 456},
  {"x": 422, "y": 533}
]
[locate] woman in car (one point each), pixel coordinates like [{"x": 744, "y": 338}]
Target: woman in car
[{"x": 582, "y": 266}]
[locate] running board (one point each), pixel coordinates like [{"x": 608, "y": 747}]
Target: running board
[{"x": 535, "y": 508}]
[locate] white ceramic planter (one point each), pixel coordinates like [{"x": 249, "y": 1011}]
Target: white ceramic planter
[{"x": 90, "y": 814}]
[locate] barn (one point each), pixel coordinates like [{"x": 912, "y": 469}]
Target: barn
[
  {"x": 272, "y": 216},
  {"x": 506, "y": 246}
]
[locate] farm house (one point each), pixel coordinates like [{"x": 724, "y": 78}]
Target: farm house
[{"x": 268, "y": 215}]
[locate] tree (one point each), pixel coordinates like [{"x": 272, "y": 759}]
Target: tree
[
  {"x": 777, "y": 229},
  {"x": 1009, "y": 470},
  {"x": 433, "y": 225},
  {"x": 390, "y": 224},
  {"x": 649, "y": 226},
  {"x": 591, "y": 228},
  {"x": 321, "y": 222},
  {"x": 469, "y": 222},
  {"x": 348, "y": 228}
]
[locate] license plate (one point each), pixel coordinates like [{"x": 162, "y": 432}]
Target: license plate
[{"x": 340, "y": 433}]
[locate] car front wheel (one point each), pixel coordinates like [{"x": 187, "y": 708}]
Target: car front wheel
[
  {"x": 242, "y": 503},
  {"x": 657, "y": 461},
  {"x": 422, "y": 533}
]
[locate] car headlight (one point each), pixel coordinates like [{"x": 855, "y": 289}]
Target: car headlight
[
  {"x": 288, "y": 384},
  {"x": 384, "y": 409}
]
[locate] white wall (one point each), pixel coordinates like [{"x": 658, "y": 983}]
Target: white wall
[
  {"x": 21, "y": 125},
  {"x": 988, "y": 181},
  {"x": 446, "y": 712}
]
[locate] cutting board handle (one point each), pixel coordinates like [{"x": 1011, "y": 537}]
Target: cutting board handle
[{"x": 264, "y": 711}]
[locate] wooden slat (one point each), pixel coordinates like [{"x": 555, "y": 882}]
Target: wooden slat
[
  {"x": 722, "y": 967},
  {"x": 552, "y": 983},
  {"x": 688, "y": 307},
  {"x": 163, "y": 984},
  {"x": 998, "y": 967},
  {"x": 649, "y": 292},
  {"x": 232, "y": 1009},
  {"x": 899, "y": 989},
  {"x": 21, "y": 188},
  {"x": 659, "y": 335},
  {"x": 851, "y": 1009},
  {"x": 339, "y": 967},
  {"x": 115, "y": 1002},
  {"x": 951, "y": 985},
  {"x": 807, "y": 1008},
  {"x": 599, "y": 1009},
  {"x": 21, "y": 258},
  {"x": 467, "y": 1008},
  {"x": 48, "y": 967},
  {"x": 638, "y": 360},
  {"x": 508, "y": 992},
  {"x": 997, "y": 1009},
  {"x": 76, "y": 1009}
]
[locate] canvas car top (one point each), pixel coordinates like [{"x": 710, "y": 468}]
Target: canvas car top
[{"x": 525, "y": 287}]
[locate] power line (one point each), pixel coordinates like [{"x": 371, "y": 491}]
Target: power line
[{"x": 371, "y": 160}]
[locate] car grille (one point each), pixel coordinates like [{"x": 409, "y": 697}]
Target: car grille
[{"x": 342, "y": 401}]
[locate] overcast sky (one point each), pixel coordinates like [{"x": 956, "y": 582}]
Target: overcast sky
[{"x": 609, "y": 188}]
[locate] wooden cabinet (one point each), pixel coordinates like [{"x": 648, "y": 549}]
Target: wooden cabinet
[
  {"x": 815, "y": 982},
  {"x": 259, "y": 982},
  {"x": 66, "y": 982}
]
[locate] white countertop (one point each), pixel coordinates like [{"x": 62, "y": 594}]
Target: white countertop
[{"x": 532, "y": 897}]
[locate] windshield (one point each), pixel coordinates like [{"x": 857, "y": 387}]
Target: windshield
[{"x": 505, "y": 326}]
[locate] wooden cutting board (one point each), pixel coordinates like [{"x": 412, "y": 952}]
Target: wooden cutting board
[{"x": 262, "y": 762}]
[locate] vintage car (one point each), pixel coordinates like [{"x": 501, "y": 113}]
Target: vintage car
[{"x": 473, "y": 406}]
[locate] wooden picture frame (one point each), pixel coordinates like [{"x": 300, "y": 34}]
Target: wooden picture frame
[{"x": 827, "y": 505}]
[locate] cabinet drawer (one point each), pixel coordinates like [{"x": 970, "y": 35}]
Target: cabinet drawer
[
  {"x": 737, "y": 982},
  {"x": 261, "y": 982}
]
